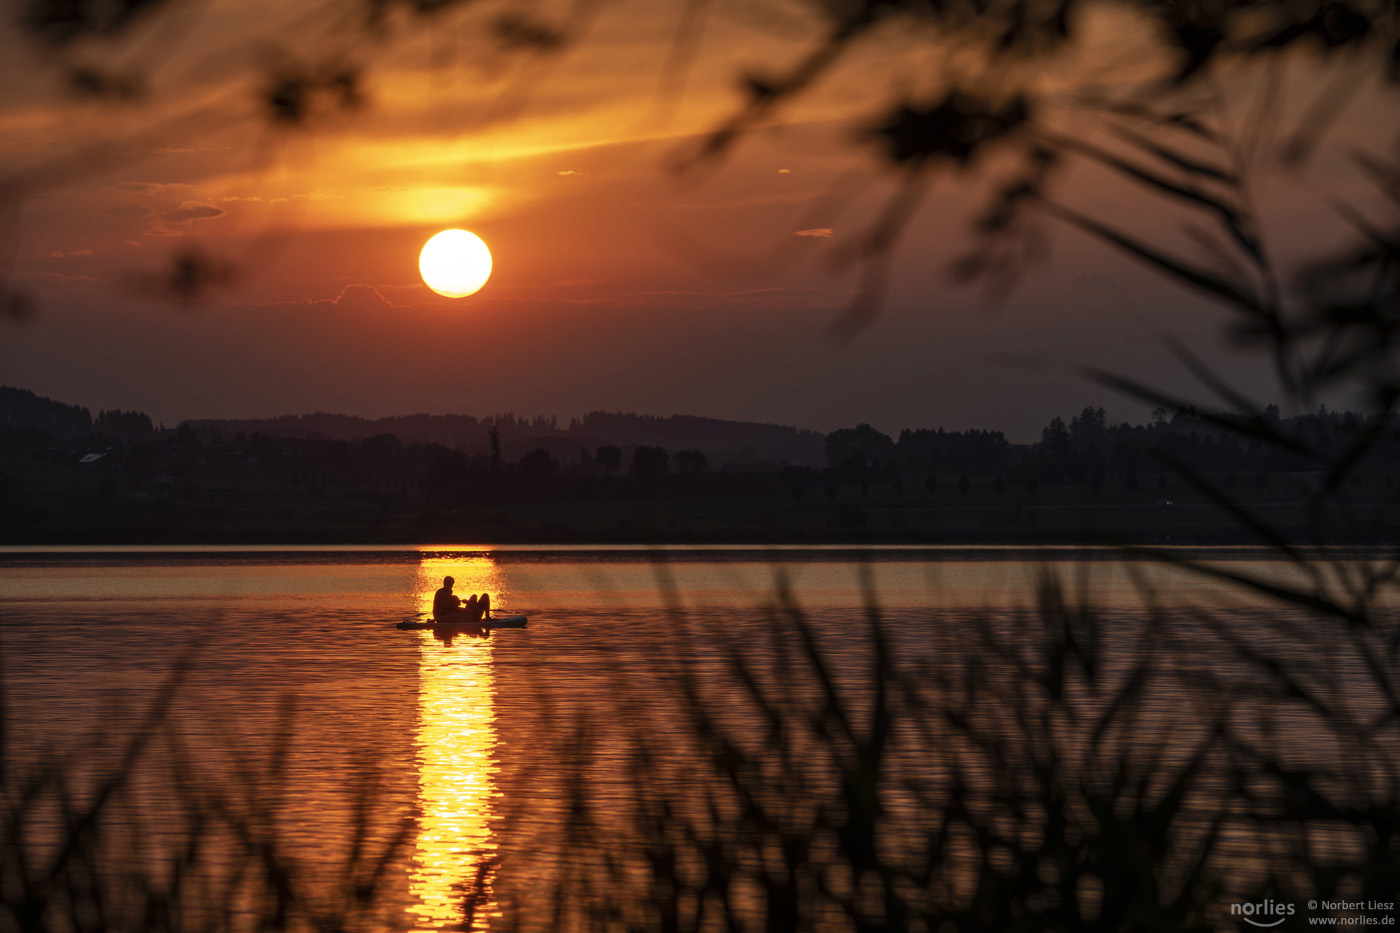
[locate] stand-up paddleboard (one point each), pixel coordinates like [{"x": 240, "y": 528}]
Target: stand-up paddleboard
[{"x": 502, "y": 622}]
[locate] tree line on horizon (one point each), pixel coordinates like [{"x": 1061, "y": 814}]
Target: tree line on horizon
[
  {"x": 1088, "y": 449},
  {"x": 1085, "y": 450},
  {"x": 724, "y": 441}
]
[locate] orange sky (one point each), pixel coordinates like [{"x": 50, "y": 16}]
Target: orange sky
[{"x": 618, "y": 284}]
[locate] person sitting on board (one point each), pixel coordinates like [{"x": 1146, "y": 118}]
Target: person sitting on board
[{"x": 448, "y": 606}]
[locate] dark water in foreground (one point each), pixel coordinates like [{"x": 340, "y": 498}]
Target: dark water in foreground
[{"x": 471, "y": 741}]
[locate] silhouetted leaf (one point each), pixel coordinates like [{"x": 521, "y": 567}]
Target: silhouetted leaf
[
  {"x": 60, "y": 22},
  {"x": 1229, "y": 216},
  {"x": 1201, "y": 280},
  {"x": 1177, "y": 159},
  {"x": 1252, "y": 427},
  {"x": 955, "y": 128},
  {"x": 519, "y": 31}
]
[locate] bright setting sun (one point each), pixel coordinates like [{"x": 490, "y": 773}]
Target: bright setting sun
[{"x": 455, "y": 263}]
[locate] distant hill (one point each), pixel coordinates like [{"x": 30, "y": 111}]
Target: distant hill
[
  {"x": 724, "y": 443},
  {"x": 463, "y": 431},
  {"x": 20, "y": 408}
]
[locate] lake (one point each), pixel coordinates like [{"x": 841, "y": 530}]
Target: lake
[{"x": 300, "y": 706}]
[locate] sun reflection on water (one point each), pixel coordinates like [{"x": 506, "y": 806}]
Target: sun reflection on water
[{"x": 456, "y": 767}]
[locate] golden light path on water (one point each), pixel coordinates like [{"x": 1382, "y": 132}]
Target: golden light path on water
[{"x": 456, "y": 765}]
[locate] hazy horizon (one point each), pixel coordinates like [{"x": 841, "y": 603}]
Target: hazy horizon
[{"x": 563, "y": 418}]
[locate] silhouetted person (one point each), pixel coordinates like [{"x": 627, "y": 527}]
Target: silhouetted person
[{"x": 448, "y": 606}]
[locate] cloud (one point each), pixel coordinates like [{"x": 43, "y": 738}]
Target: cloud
[
  {"x": 310, "y": 196},
  {"x": 149, "y": 186},
  {"x": 72, "y": 281},
  {"x": 756, "y": 298},
  {"x": 569, "y": 171},
  {"x": 814, "y": 232},
  {"x": 130, "y": 212},
  {"x": 192, "y": 210},
  {"x": 354, "y": 297},
  {"x": 365, "y": 297},
  {"x": 185, "y": 150},
  {"x": 81, "y": 252},
  {"x": 784, "y": 171}
]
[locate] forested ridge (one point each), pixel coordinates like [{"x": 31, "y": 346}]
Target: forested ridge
[{"x": 68, "y": 476}]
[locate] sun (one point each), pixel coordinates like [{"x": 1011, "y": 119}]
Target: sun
[{"x": 455, "y": 263}]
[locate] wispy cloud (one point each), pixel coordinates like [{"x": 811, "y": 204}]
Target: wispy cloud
[
  {"x": 352, "y": 297},
  {"x": 130, "y": 212},
  {"x": 814, "y": 232},
  {"x": 149, "y": 186},
  {"x": 60, "y": 278},
  {"x": 192, "y": 210},
  {"x": 362, "y": 296}
]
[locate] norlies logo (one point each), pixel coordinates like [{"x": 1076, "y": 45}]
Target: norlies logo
[{"x": 1263, "y": 914}]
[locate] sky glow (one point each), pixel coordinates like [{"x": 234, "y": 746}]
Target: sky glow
[{"x": 627, "y": 283}]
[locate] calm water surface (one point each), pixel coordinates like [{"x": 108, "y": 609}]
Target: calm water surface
[{"x": 301, "y": 641}]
